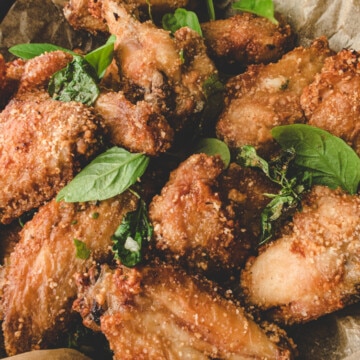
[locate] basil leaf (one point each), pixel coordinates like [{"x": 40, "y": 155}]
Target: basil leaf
[
  {"x": 82, "y": 251},
  {"x": 29, "y": 51},
  {"x": 129, "y": 236},
  {"x": 328, "y": 158},
  {"x": 264, "y": 8},
  {"x": 108, "y": 175},
  {"x": 101, "y": 57},
  {"x": 76, "y": 82},
  {"x": 181, "y": 18},
  {"x": 213, "y": 146},
  {"x": 248, "y": 157}
]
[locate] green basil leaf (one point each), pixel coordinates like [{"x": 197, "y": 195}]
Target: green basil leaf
[
  {"x": 328, "y": 159},
  {"x": 248, "y": 157},
  {"x": 213, "y": 146},
  {"x": 29, "y": 51},
  {"x": 101, "y": 57},
  {"x": 82, "y": 251},
  {"x": 181, "y": 18},
  {"x": 264, "y": 8},
  {"x": 130, "y": 235},
  {"x": 109, "y": 174},
  {"x": 76, "y": 82}
]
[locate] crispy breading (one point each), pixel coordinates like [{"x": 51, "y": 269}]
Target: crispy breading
[
  {"x": 137, "y": 127},
  {"x": 191, "y": 221},
  {"x": 39, "y": 287},
  {"x": 245, "y": 39},
  {"x": 314, "y": 268},
  {"x": 269, "y": 95},
  {"x": 332, "y": 101},
  {"x": 160, "y": 312},
  {"x": 43, "y": 144}
]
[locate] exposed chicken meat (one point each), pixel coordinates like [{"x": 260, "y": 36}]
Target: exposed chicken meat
[
  {"x": 160, "y": 312},
  {"x": 332, "y": 101},
  {"x": 314, "y": 268}
]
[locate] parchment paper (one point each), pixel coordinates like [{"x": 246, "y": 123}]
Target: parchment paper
[{"x": 335, "y": 336}]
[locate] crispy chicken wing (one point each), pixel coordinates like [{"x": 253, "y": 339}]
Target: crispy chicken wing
[
  {"x": 332, "y": 101},
  {"x": 190, "y": 220},
  {"x": 39, "y": 287},
  {"x": 139, "y": 128},
  {"x": 314, "y": 268},
  {"x": 269, "y": 95},
  {"x": 159, "y": 312},
  {"x": 43, "y": 144},
  {"x": 245, "y": 39}
]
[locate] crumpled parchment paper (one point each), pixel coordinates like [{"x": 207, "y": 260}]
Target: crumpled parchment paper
[{"x": 335, "y": 336}]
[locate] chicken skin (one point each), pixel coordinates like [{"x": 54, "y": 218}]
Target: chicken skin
[
  {"x": 332, "y": 101},
  {"x": 39, "y": 286},
  {"x": 268, "y": 95},
  {"x": 160, "y": 312},
  {"x": 191, "y": 222},
  {"x": 246, "y": 39},
  {"x": 43, "y": 144},
  {"x": 313, "y": 269}
]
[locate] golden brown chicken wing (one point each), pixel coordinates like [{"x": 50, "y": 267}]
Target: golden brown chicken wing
[
  {"x": 159, "y": 312},
  {"x": 332, "y": 101},
  {"x": 245, "y": 39},
  {"x": 191, "y": 222},
  {"x": 269, "y": 95},
  {"x": 314, "y": 268},
  {"x": 39, "y": 286},
  {"x": 43, "y": 144}
]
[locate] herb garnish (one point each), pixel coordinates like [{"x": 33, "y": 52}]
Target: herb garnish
[
  {"x": 310, "y": 156},
  {"x": 78, "y": 80},
  {"x": 264, "y": 8},
  {"x": 129, "y": 236},
  {"x": 82, "y": 251},
  {"x": 213, "y": 146},
  {"x": 108, "y": 175},
  {"x": 181, "y": 18}
]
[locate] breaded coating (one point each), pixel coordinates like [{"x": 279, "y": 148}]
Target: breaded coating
[
  {"x": 332, "y": 101},
  {"x": 40, "y": 288},
  {"x": 269, "y": 95},
  {"x": 246, "y": 39},
  {"x": 314, "y": 269},
  {"x": 191, "y": 223},
  {"x": 43, "y": 144},
  {"x": 159, "y": 312},
  {"x": 139, "y": 127}
]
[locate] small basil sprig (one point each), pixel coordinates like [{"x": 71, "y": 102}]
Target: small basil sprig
[
  {"x": 130, "y": 235},
  {"x": 78, "y": 80},
  {"x": 310, "y": 156},
  {"x": 291, "y": 186},
  {"x": 82, "y": 251},
  {"x": 108, "y": 175},
  {"x": 264, "y": 8},
  {"x": 328, "y": 158},
  {"x": 181, "y": 18}
]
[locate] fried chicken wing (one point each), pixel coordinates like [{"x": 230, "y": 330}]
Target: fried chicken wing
[
  {"x": 245, "y": 39},
  {"x": 332, "y": 101},
  {"x": 269, "y": 95},
  {"x": 159, "y": 312},
  {"x": 43, "y": 144},
  {"x": 190, "y": 220},
  {"x": 139, "y": 127},
  {"x": 39, "y": 287},
  {"x": 313, "y": 269}
]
